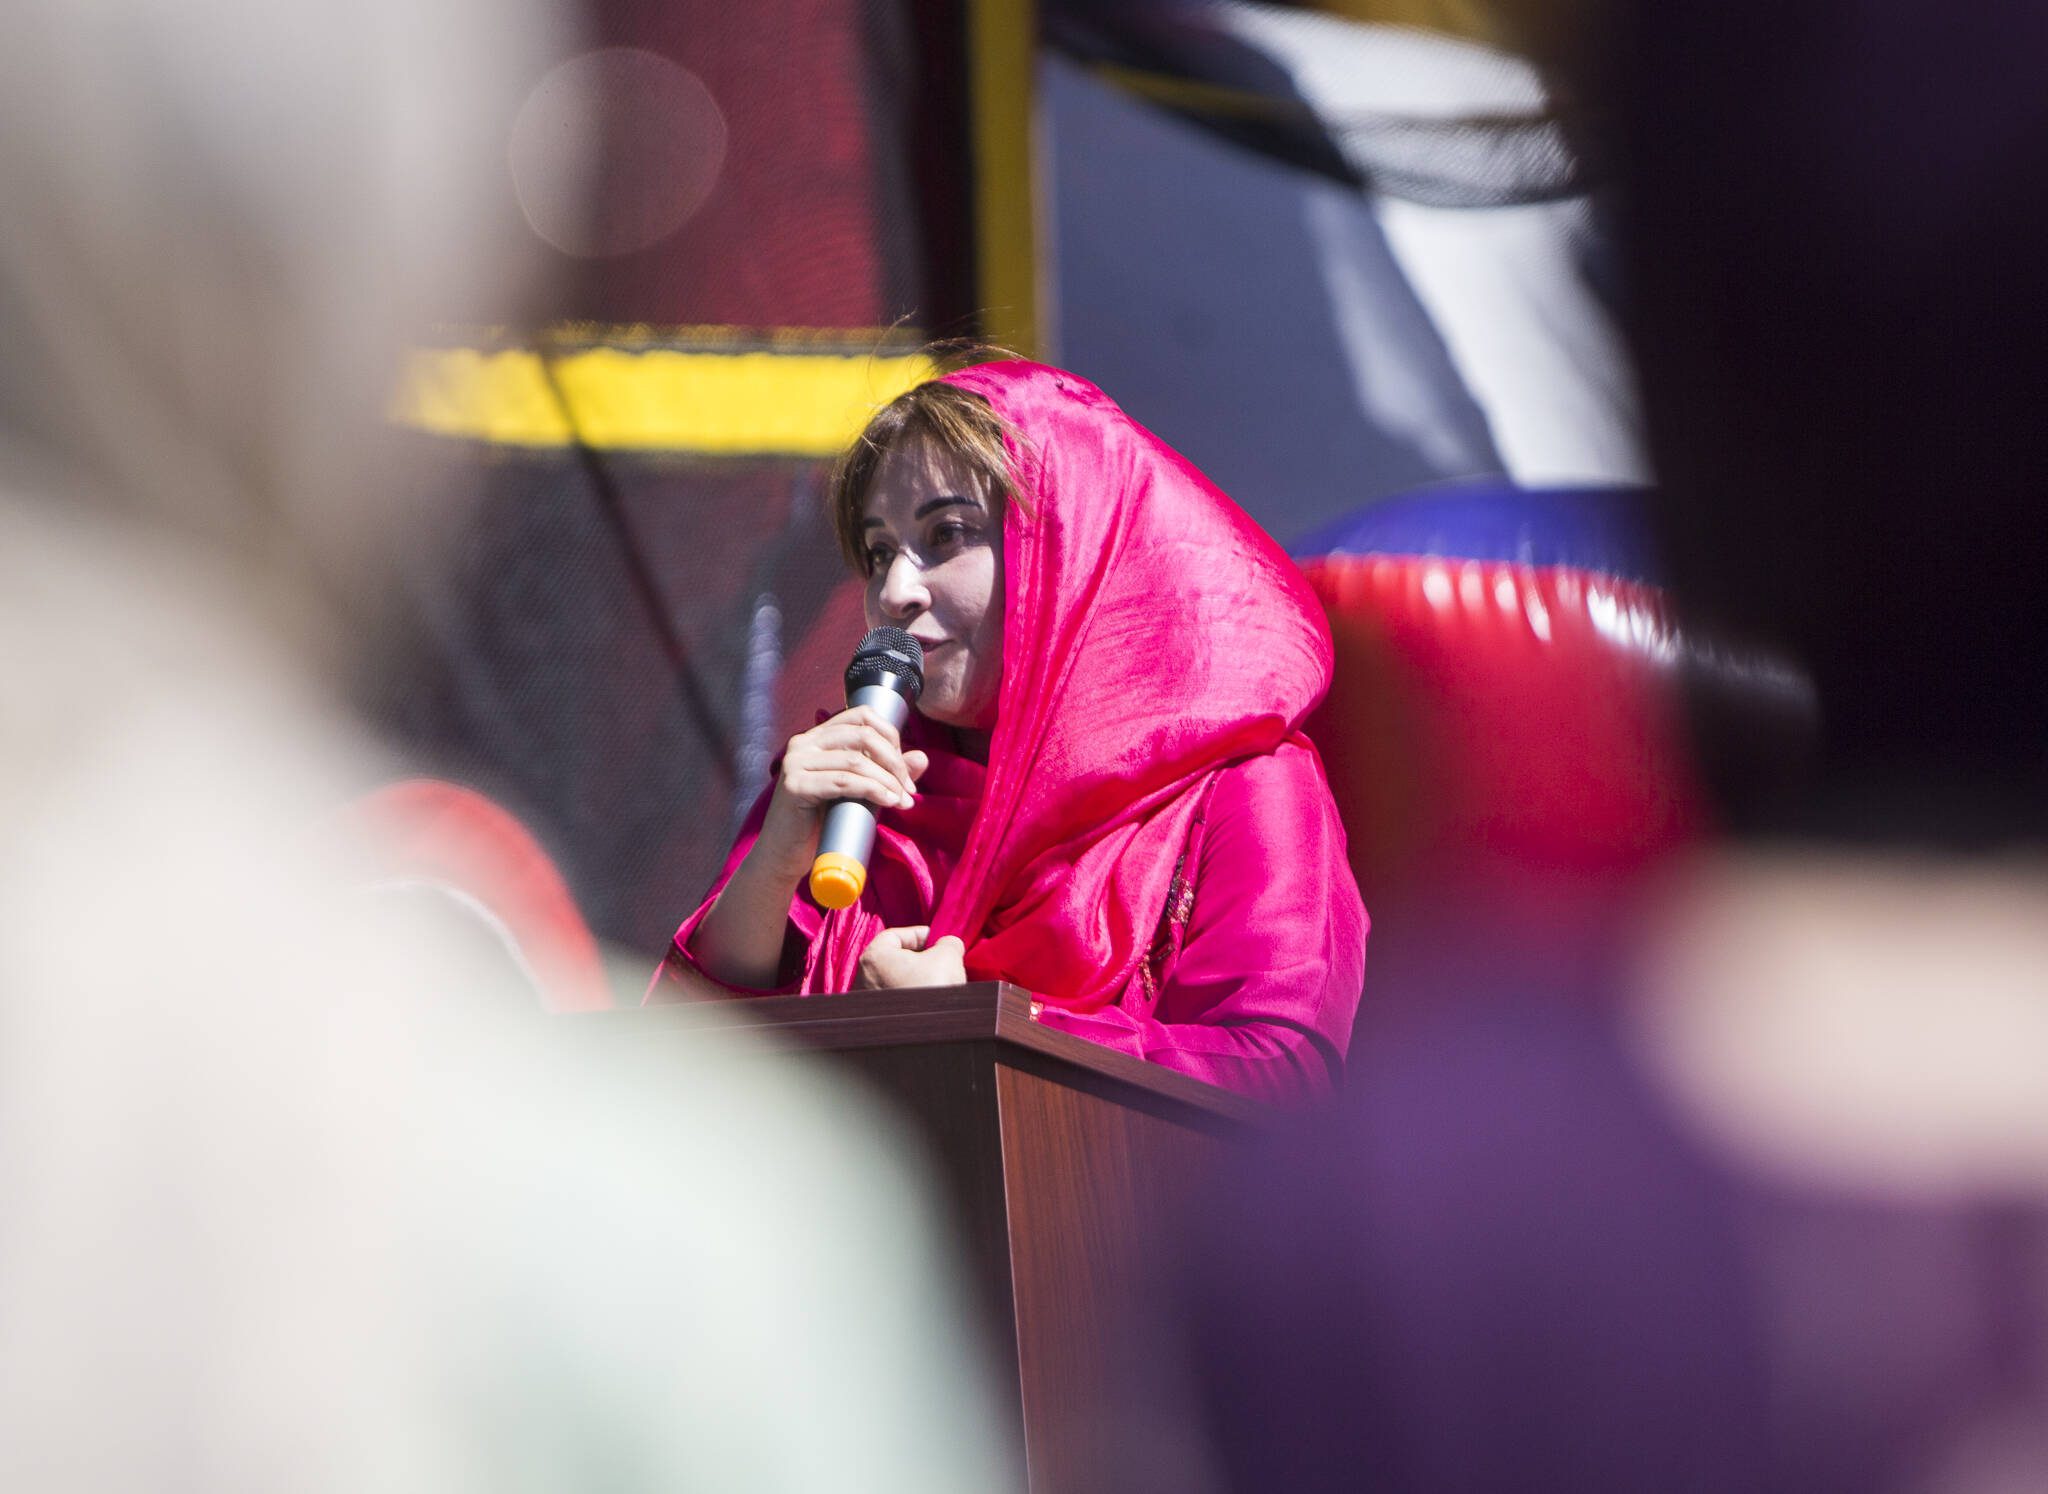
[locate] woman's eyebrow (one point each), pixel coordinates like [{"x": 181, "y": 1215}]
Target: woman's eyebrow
[{"x": 929, "y": 506}]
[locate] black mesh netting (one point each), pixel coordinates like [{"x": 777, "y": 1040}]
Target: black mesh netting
[{"x": 611, "y": 645}]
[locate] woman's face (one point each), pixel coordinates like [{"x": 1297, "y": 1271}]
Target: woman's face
[{"x": 932, "y": 535}]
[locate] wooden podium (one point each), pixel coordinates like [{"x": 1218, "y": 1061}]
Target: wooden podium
[{"x": 1059, "y": 1156}]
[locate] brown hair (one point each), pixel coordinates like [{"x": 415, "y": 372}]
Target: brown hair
[{"x": 954, "y": 419}]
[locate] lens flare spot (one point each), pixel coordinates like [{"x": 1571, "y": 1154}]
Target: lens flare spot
[{"x": 615, "y": 150}]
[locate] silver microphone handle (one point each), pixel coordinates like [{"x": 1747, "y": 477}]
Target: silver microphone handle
[{"x": 849, "y": 824}]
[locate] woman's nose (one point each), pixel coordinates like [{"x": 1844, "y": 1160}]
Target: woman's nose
[{"x": 903, "y": 589}]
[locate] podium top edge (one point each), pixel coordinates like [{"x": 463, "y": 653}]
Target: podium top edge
[{"x": 979, "y": 1011}]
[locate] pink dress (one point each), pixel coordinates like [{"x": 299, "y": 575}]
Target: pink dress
[
  {"x": 1151, "y": 847},
  {"x": 1254, "y": 974}
]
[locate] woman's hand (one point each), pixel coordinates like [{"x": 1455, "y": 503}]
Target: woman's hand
[
  {"x": 854, "y": 755},
  {"x": 899, "y": 957}
]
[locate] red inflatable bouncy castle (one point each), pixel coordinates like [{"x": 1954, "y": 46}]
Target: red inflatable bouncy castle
[{"x": 1504, "y": 735}]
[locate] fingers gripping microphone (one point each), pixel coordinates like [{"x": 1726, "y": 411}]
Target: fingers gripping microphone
[{"x": 886, "y": 675}]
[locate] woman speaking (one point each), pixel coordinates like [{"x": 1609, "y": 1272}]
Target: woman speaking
[{"x": 1103, "y": 794}]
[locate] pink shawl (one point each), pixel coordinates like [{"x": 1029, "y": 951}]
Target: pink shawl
[{"x": 1153, "y": 635}]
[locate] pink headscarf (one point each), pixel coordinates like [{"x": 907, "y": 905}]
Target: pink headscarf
[{"x": 1152, "y": 634}]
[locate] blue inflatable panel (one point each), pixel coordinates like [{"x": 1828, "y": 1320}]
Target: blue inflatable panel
[{"x": 1591, "y": 529}]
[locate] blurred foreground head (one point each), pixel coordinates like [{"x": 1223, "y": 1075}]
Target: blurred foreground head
[
  {"x": 271, "y": 1185},
  {"x": 1838, "y": 218},
  {"x": 222, "y": 222}
]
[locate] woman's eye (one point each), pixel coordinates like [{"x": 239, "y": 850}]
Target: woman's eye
[
  {"x": 878, "y": 556},
  {"x": 948, "y": 532}
]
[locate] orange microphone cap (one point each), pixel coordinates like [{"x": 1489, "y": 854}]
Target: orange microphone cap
[{"x": 836, "y": 880}]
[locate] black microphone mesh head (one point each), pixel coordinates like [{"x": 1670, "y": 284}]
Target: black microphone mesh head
[{"x": 888, "y": 653}]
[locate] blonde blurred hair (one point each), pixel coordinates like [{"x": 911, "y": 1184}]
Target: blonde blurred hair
[{"x": 225, "y": 224}]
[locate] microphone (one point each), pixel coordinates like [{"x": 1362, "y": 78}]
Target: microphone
[{"x": 887, "y": 676}]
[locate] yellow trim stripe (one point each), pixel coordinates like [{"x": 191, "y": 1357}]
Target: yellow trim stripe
[
  {"x": 1493, "y": 22},
  {"x": 1200, "y": 97},
  {"x": 662, "y": 399},
  {"x": 1003, "y": 61}
]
